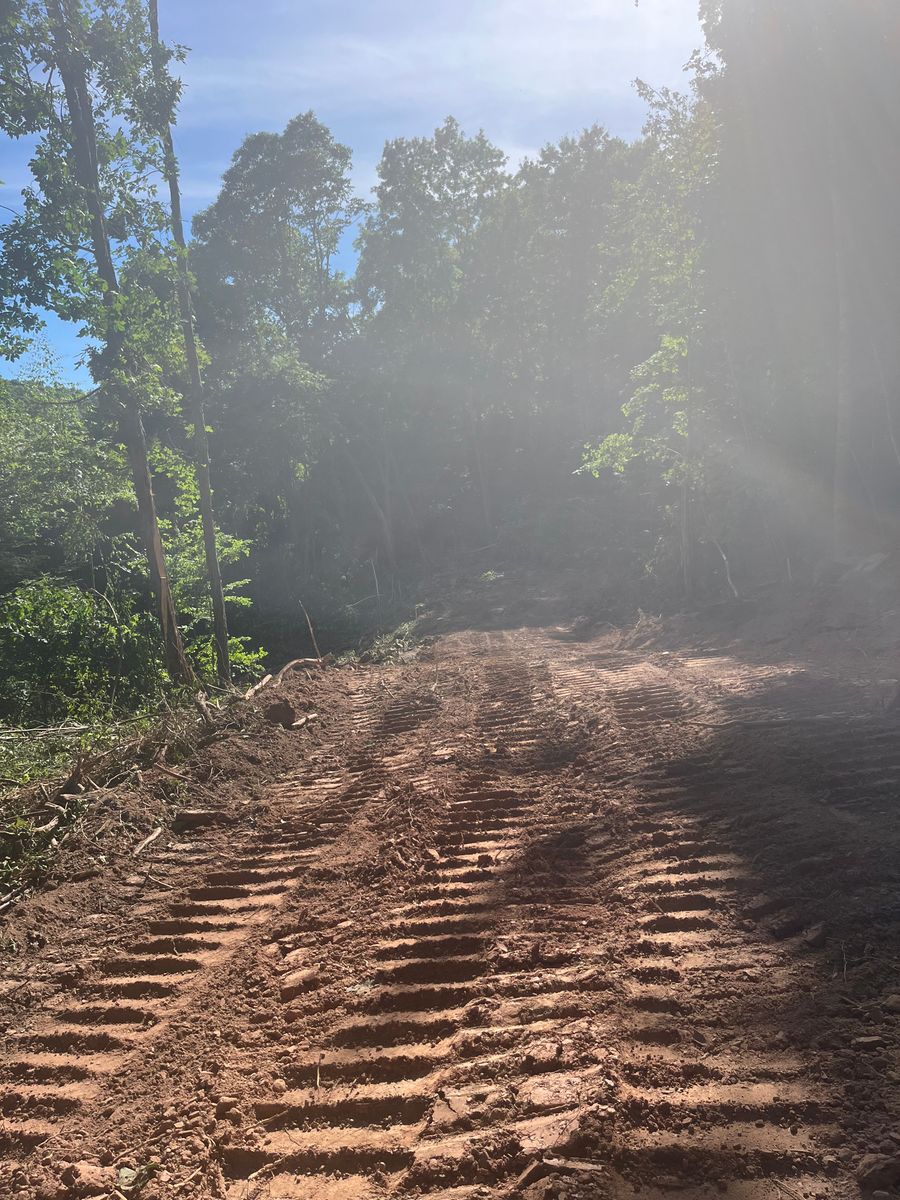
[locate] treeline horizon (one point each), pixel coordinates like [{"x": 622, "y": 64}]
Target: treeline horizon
[{"x": 672, "y": 361}]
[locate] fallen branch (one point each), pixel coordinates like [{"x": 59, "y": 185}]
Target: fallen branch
[
  {"x": 10, "y": 898},
  {"x": 48, "y": 828},
  {"x": 303, "y": 664},
  {"x": 184, "y": 779},
  {"x": 161, "y": 882},
  {"x": 204, "y": 710},
  {"x": 148, "y": 841},
  {"x": 257, "y": 687},
  {"x": 66, "y": 730}
]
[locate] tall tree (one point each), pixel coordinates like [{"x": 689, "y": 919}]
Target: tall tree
[
  {"x": 431, "y": 197},
  {"x": 272, "y": 309},
  {"x": 416, "y": 248},
  {"x": 660, "y": 288},
  {"x": 165, "y": 94},
  {"x": 265, "y": 247},
  {"x": 76, "y": 166}
]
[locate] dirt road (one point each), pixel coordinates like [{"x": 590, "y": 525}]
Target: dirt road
[{"x": 531, "y": 915}]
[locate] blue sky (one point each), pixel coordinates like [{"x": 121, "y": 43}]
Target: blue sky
[{"x": 526, "y": 71}]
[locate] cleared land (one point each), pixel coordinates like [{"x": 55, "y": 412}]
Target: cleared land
[{"x": 538, "y": 913}]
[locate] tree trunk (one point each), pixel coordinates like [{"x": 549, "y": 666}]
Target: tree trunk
[
  {"x": 73, "y": 73},
  {"x": 195, "y": 382}
]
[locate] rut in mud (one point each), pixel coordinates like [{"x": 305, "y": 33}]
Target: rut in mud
[{"x": 536, "y": 917}]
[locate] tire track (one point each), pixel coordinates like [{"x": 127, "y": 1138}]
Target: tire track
[
  {"x": 458, "y": 1063},
  {"x": 577, "y": 980},
  {"x": 484, "y": 1047},
  {"x": 108, "y": 1013},
  {"x": 697, "y": 1110}
]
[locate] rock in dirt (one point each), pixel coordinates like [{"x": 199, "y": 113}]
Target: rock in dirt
[
  {"x": 815, "y": 936},
  {"x": 574, "y": 1166},
  {"x": 787, "y": 927},
  {"x": 878, "y": 1171},
  {"x": 533, "y": 1172},
  {"x": 280, "y": 712},
  {"x": 891, "y": 1004},
  {"x": 87, "y": 1179},
  {"x": 294, "y": 959},
  {"x": 194, "y": 818},
  {"x": 873, "y": 1042},
  {"x": 298, "y": 982}
]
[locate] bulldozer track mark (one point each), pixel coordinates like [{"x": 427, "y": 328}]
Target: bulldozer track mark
[{"x": 581, "y": 953}]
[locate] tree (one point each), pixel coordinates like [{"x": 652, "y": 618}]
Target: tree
[
  {"x": 92, "y": 180},
  {"x": 57, "y": 482},
  {"x": 416, "y": 248},
  {"x": 164, "y": 97},
  {"x": 264, "y": 249},
  {"x": 273, "y": 311},
  {"x": 432, "y": 194},
  {"x": 547, "y": 254},
  {"x": 672, "y": 424}
]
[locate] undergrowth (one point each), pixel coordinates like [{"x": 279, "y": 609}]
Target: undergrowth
[
  {"x": 390, "y": 646},
  {"x": 65, "y": 772},
  {"x": 29, "y": 755},
  {"x": 385, "y": 645},
  {"x": 49, "y": 776}
]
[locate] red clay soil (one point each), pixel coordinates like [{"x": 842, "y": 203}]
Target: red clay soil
[{"x": 536, "y": 914}]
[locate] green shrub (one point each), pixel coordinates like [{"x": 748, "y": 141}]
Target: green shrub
[{"x": 67, "y": 653}]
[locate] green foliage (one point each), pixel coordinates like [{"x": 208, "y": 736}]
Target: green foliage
[
  {"x": 57, "y": 482},
  {"x": 614, "y": 453},
  {"x": 67, "y": 653},
  {"x": 89, "y": 240},
  {"x": 432, "y": 196},
  {"x": 671, "y": 438},
  {"x": 184, "y": 537},
  {"x": 77, "y": 640},
  {"x": 272, "y": 309},
  {"x": 658, "y": 413},
  {"x": 389, "y": 647},
  {"x": 26, "y": 846},
  {"x": 264, "y": 249},
  {"x": 45, "y": 257}
]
